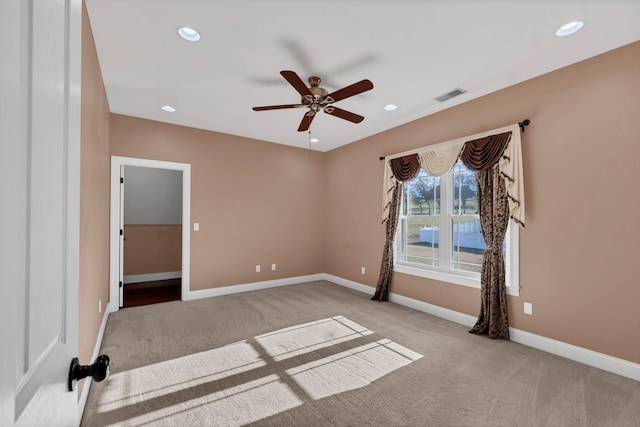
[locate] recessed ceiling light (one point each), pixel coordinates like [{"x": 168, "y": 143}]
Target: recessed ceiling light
[
  {"x": 390, "y": 107},
  {"x": 168, "y": 108},
  {"x": 314, "y": 140},
  {"x": 570, "y": 28},
  {"x": 189, "y": 34}
]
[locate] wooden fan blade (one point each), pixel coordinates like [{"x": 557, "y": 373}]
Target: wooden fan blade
[
  {"x": 306, "y": 122},
  {"x": 277, "y": 107},
  {"x": 344, "y": 114},
  {"x": 296, "y": 82},
  {"x": 354, "y": 89}
]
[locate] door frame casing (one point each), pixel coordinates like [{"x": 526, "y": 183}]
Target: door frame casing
[{"x": 114, "y": 228}]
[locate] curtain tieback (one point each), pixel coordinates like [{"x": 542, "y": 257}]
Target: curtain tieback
[{"x": 494, "y": 248}]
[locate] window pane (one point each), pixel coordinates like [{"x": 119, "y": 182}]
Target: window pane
[
  {"x": 405, "y": 200},
  {"x": 423, "y": 195},
  {"x": 465, "y": 194},
  {"x": 468, "y": 245},
  {"x": 420, "y": 240}
]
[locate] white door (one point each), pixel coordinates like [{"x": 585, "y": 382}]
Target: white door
[{"x": 40, "y": 166}]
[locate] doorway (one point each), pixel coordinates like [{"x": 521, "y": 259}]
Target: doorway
[
  {"x": 152, "y": 235},
  {"x": 148, "y": 274}
]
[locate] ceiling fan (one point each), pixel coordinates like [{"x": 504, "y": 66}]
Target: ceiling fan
[{"x": 316, "y": 98}]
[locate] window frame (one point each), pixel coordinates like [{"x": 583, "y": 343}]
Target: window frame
[{"x": 443, "y": 271}]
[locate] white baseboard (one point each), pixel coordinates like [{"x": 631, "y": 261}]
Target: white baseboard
[
  {"x": 602, "y": 361},
  {"x": 82, "y": 401},
  {"x": 255, "y": 286},
  {"x": 435, "y": 310},
  {"x": 349, "y": 284},
  {"x": 151, "y": 277}
]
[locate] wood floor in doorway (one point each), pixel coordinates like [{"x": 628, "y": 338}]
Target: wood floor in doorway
[{"x": 145, "y": 293}]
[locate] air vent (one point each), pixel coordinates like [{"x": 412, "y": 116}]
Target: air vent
[{"x": 452, "y": 94}]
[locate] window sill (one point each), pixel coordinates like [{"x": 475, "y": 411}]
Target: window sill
[{"x": 456, "y": 279}]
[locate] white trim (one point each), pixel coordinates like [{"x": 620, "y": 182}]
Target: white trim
[
  {"x": 247, "y": 287},
  {"x": 582, "y": 355},
  {"x": 82, "y": 401},
  {"x": 456, "y": 279},
  {"x": 434, "y": 310},
  {"x": 349, "y": 284},
  {"x": 512, "y": 259},
  {"x": 442, "y": 276},
  {"x": 121, "y": 238},
  {"x": 602, "y": 361},
  {"x": 114, "y": 233},
  {"x": 151, "y": 277}
]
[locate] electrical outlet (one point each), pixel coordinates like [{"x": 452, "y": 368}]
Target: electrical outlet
[
  {"x": 528, "y": 308},
  {"x": 362, "y": 270},
  {"x": 273, "y": 267},
  {"x": 99, "y": 306},
  {"x": 257, "y": 268}
]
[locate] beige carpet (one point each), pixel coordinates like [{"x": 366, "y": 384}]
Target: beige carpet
[{"x": 317, "y": 354}]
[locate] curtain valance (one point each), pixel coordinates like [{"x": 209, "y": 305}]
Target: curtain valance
[
  {"x": 439, "y": 160},
  {"x": 501, "y": 146},
  {"x": 405, "y": 168},
  {"x": 483, "y": 153}
]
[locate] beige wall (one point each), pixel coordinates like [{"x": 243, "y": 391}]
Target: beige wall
[
  {"x": 578, "y": 253},
  {"x": 309, "y": 212},
  {"x": 94, "y": 196},
  {"x": 152, "y": 248},
  {"x": 256, "y": 202}
]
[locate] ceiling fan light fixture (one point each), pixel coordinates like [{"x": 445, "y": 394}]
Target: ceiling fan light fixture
[
  {"x": 569, "y": 28},
  {"x": 189, "y": 34},
  {"x": 390, "y": 107},
  {"x": 168, "y": 108},
  {"x": 317, "y": 99}
]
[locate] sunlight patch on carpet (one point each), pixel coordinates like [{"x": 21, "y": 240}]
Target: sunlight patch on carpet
[
  {"x": 161, "y": 380},
  {"x": 308, "y": 337},
  {"x": 253, "y": 379},
  {"x": 352, "y": 369},
  {"x": 234, "y": 406}
]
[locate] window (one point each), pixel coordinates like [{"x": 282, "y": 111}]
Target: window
[{"x": 439, "y": 234}]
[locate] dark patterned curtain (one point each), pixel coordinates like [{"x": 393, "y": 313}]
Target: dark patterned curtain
[
  {"x": 494, "y": 219},
  {"x": 482, "y": 155},
  {"x": 403, "y": 169},
  {"x": 386, "y": 268}
]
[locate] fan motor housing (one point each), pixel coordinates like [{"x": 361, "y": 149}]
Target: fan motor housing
[{"x": 318, "y": 92}]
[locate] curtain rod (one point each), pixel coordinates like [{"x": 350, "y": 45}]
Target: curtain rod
[{"x": 522, "y": 124}]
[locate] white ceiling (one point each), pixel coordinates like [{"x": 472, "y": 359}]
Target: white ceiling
[{"x": 412, "y": 51}]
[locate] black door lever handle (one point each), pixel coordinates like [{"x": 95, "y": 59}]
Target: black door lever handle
[{"x": 98, "y": 371}]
